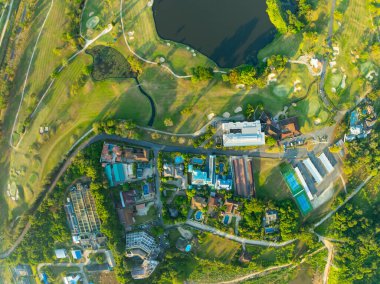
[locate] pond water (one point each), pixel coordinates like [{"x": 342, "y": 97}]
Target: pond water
[{"x": 230, "y": 32}]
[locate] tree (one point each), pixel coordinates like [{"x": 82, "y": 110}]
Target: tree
[
  {"x": 168, "y": 122},
  {"x": 270, "y": 141},
  {"x": 135, "y": 64},
  {"x": 201, "y": 73},
  {"x": 276, "y": 16}
]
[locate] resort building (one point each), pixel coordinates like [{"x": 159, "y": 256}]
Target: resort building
[
  {"x": 81, "y": 213},
  {"x": 242, "y": 134},
  {"x": 144, "y": 270},
  {"x": 140, "y": 244}
]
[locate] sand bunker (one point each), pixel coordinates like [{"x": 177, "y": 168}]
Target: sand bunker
[{"x": 92, "y": 22}]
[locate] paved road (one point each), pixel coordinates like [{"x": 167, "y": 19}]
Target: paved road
[
  {"x": 345, "y": 201},
  {"x": 235, "y": 238}
]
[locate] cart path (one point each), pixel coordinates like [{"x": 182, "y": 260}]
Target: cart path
[{"x": 27, "y": 74}]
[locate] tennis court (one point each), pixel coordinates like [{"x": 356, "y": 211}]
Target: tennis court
[
  {"x": 296, "y": 189},
  {"x": 303, "y": 203},
  {"x": 291, "y": 180}
]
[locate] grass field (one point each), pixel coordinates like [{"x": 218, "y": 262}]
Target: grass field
[
  {"x": 269, "y": 182},
  {"x": 214, "y": 247}
]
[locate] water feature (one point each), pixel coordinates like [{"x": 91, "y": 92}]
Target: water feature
[{"x": 231, "y": 32}]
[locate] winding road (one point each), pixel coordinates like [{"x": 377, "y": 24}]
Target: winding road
[{"x": 238, "y": 239}]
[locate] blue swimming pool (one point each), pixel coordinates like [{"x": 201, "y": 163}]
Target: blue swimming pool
[
  {"x": 198, "y": 215},
  {"x": 197, "y": 161},
  {"x": 221, "y": 167},
  {"x": 226, "y": 219},
  {"x": 188, "y": 248},
  {"x": 178, "y": 160}
]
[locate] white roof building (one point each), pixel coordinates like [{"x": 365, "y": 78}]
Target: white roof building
[
  {"x": 326, "y": 163},
  {"x": 313, "y": 170},
  {"x": 243, "y": 134},
  {"x": 60, "y": 253}
]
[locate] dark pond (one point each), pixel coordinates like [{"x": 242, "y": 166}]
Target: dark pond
[{"x": 231, "y": 32}]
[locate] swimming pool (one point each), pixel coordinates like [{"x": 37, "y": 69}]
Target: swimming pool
[
  {"x": 178, "y": 160},
  {"x": 226, "y": 219},
  {"x": 188, "y": 248},
  {"x": 197, "y": 161},
  {"x": 198, "y": 215}
]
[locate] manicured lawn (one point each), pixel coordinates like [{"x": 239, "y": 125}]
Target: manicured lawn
[
  {"x": 214, "y": 247},
  {"x": 268, "y": 180}
]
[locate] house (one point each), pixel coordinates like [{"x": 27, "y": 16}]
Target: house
[
  {"x": 136, "y": 154},
  {"x": 270, "y": 221},
  {"x": 282, "y": 129},
  {"x": 223, "y": 182},
  {"x": 214, "y": 202},
  {"x": 60, "y": 253},
  {"x": 141, "y": 209},
  {"x": 231, "y": 207},
  {"x": 21, "y": 271},
  {"x": 72, "y": 279},
  {"x": 112, "y": 153},
  {"x": 168, "y": 170},
  {"x": 242, "y": 134},
  {"x": 198, "y": 202}
]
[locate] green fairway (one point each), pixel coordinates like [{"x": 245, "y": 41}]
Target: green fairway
[{"x": 96, "y": 15}]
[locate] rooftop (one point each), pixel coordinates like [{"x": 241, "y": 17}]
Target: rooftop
[{"x": 243, "y": 134}]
